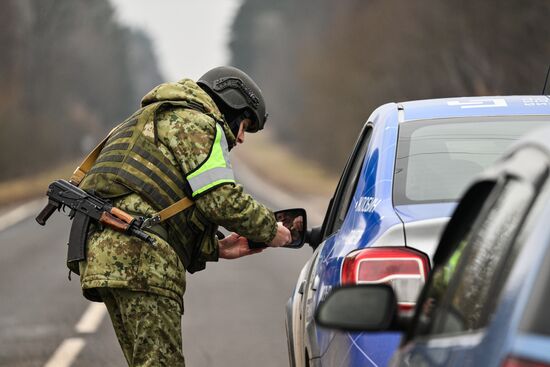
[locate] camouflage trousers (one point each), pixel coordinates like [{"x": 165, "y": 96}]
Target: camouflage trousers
[{"x": 147, "y": 325}]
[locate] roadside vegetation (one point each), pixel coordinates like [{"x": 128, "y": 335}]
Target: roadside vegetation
[
  {"x": 324, "y": 65},
  {"x": 29, "y": 187},
  {"x": 272, "y": 161},
  {"x": 284, "y": 168},
  {"x": 68, "y": 72}
]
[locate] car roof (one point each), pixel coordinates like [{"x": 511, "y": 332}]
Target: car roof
[{"x": 474, "y": 106}]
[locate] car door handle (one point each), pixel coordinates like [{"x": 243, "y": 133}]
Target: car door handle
[
  {"x": 302, "y": 286},
  {"x": 315, "y": 283}
]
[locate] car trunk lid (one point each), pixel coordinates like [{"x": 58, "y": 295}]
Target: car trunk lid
[{"x": 424, "y": 223}]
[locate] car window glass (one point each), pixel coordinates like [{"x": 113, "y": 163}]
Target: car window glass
[
  {"x": 457, "y": 297},
  {"x": 439, "y": 283},
  {"x": 436, "y": 159},
  {"x": 351, "y": 183},
  {"x": 449, "y": 251},
  {"x": 535, "y": 319},
  {"x": 346, "y": 186},
  {"x": 482, "y": 260}
]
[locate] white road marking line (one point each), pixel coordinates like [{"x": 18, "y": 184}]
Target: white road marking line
[
  {"x": 66, "y": 353},
  {"x": 90, "y": 321},
  {"x": 21, "y": 213}
]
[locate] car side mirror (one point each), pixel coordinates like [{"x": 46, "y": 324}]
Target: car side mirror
[
  {"x": 296, "y": 222},
  {"x": 365, "y": 307}
]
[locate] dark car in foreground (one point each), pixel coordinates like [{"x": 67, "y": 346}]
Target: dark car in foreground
[{"x": 486, "y": 301}]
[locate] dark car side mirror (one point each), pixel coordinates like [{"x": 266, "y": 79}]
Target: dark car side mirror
[
  {"x": 365, "y": 307},
  {"x": 296, "y": 222}
]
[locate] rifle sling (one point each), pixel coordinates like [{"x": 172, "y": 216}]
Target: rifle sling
[
  {"x": 175, "y": 208},
  {"x": 88, "y": 162}
]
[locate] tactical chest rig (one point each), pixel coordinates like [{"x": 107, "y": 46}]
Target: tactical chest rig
[{"x": 127, "y": 162}]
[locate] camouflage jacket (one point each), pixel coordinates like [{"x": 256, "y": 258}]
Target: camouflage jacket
[{"x": 185, "y": 138}]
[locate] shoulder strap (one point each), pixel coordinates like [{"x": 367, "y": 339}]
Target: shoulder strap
[{"x": 87, "y": 164}]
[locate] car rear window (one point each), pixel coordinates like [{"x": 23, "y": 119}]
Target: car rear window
[{"x": 436, "y": 159}]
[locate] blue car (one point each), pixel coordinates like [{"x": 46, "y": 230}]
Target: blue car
[
  {"x": 411, "y": 163},
  {"x": 486, "y": 301}
]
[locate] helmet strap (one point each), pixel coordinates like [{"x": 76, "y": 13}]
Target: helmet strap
[
  {"x": 235, "y": 125},
  {"x": 232, "y": 117}
]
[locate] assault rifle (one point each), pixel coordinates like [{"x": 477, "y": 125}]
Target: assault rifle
[{"x": 85, "y": 207}]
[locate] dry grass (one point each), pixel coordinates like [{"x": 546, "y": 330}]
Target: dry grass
[
  {"x": 21, "y": 189},
  {"x": 267, "y": 158},
  {"x": 284, "y": 168}
]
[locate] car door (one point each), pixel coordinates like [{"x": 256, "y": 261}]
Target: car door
[
  {"x": 471, "y": 267},
  {"x": 336, "y": 213}
]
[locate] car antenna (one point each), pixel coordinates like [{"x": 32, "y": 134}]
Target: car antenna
[{"x": 546, "y": 81}]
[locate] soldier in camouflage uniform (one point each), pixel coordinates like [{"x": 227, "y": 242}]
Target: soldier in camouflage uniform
[{"x": 175, "y": 145}]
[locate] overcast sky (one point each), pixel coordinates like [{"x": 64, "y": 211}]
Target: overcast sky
[{"x": 190, "y": 36}]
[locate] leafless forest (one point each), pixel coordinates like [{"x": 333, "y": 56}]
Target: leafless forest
[
  {"x": 325, "y": 65},
  {"x": 68, "y": 70}
]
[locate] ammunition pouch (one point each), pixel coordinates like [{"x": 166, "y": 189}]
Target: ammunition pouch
[{"x": 207, "y": 245}]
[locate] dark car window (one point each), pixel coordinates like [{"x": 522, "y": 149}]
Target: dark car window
[
  {"x": 436, "y": 159},
  {"x": 456, "y": 299},
  {"x": 535, "y": 319},
  {"x": 339, "y": 205},
  {"x": 482, "y": 261}
]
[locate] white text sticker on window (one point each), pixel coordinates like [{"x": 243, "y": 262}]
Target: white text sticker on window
[
  {"x": 480, "y": 103},
  {"x": 535, "y": 101}
]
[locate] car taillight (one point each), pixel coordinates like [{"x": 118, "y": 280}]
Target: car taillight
[
  {"x": 403, "y": 268},
  {"x": 517, "y": 362}
]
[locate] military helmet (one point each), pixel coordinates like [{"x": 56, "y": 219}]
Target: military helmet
[{"x": 237, "y": 92}]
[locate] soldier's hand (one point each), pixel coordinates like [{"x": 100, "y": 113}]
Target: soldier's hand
[
  {"x": 282, "y": 237},
  {"x": 235, "y": 246}
]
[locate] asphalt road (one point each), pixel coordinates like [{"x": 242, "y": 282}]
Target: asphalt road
[{"x": 234, "y": 310}]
